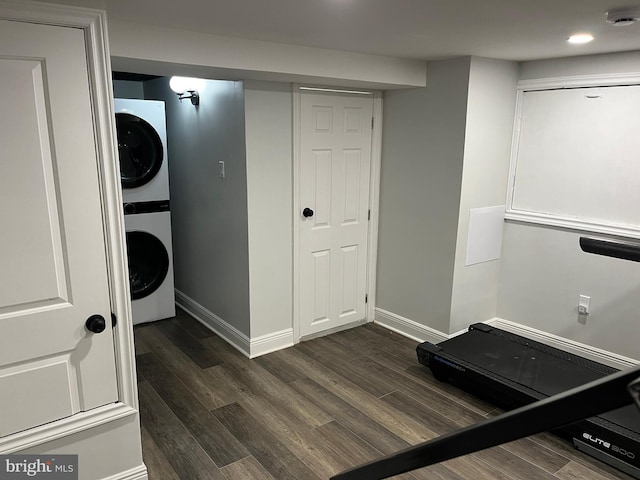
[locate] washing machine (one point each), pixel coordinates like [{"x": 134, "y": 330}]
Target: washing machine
[
  {"x": 144, "y": 173},
  {"x": 142, "y": 149},
  {"x": 149, "y": 251}
]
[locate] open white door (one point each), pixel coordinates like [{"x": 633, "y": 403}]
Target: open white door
[
  {"x": 335, "y": 169},
  {"x": 53, "y": 269}
]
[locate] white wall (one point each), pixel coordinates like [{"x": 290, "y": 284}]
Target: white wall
[
  {"x": 209, "y": 214},
  {"x": 161, "y": 50},
  {"x": 268, "y": 130},
  {"x": 604, "y": 64},
  {"x": 543, "y": 270},
  {"x": 422, "y": 154},
  {"x": 490, "y": 109}
]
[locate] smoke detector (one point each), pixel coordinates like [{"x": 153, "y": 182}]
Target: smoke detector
[{"x": 621, "y": 17}]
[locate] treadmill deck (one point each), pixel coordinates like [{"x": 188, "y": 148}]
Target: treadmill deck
[{"x": 510, "y": 371}]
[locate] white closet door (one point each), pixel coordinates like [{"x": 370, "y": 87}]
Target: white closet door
[
  {"x": 53, "y": 270},
  {"x": 335, "y": 168}
]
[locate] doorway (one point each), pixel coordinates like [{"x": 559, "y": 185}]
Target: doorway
[{"x": 336, "y": 165}]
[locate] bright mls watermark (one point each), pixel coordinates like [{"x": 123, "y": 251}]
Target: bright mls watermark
[{"x": 39, "y": 467}]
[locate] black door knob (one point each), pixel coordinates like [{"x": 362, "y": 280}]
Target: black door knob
[
  {"x": 96, "y": 324},
  {"x": 307, "y": 212}
]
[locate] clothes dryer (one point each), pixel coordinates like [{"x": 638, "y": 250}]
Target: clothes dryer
[
  {"x": 142, "y": 149},
  {"x": 150, "y": 255}
]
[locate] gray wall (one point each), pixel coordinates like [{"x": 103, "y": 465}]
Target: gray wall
[
  {"x": 209, "y": 214},
  {"x": 268, "y": 123},
  {"x": 422, "y": 155},
  {"x": 128, "y": 89},
  {"x": 543, "y": 270},
  {"x": 490, "y": 109}
]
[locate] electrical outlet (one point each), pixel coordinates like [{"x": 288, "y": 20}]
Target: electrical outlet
[
  {"x": 583, "y": 305},
  {"x": 221, "y": 173}
]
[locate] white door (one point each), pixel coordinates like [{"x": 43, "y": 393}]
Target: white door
[
  {"x": 335, "y": 166},
  {"x": 53, "y": 270}
]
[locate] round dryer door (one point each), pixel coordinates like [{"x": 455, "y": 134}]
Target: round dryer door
[
  {"x": 140, "y": 150},
  {"x": 148, "y": 263}
]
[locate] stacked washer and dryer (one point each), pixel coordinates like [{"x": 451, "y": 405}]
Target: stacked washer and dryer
[{"x": 142, "y": 146}]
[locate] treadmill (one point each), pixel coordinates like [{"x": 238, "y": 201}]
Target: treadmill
[
  {"x": 511, "y": 371},
  {"x": 590, "y": 404}
]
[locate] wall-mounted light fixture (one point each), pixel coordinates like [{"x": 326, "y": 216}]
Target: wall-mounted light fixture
[{"x": 187, "y": 88}]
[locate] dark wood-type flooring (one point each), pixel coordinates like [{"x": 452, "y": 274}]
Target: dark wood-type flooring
[{"x": 313, "y": 410}]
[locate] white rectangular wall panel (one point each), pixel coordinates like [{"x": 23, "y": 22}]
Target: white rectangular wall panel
[
  {"x": 484, "y": 240},
  {"x": 575, "y": 155}
]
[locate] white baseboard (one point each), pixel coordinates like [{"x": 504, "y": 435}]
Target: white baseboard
[
  {"x": 254, "y": 347},
  {"x": 250, "y": 347},
  {"x": 137, "y": 473},
  {"x": 592, "y": 353},
  {"x": 271, "y": 342},
  {"x": 408, "y": 328},
  {"x": 232, "y": 335},
  {"x": 421, "y": 333}
]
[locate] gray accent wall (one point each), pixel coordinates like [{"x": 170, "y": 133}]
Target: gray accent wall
[
  {"x": 543, "y": 271},
  {"x": 268, "y": 126},
  {"x": 209, "y": 213},
  {"x": 445, "y": 151},
  {"x": 128, "y": 89},
  {"x": 422, "y": 158}
]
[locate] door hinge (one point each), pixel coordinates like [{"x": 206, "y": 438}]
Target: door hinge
[
  {"x": 372, "y": 123},
  {"x": 369, "y": 215},
  {"x": 366, "y": 298}
]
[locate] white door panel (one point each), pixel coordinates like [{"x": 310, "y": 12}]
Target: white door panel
[
  {"x": 52, "y": 251},
  {"x": 335, "y": 164},
  {"x": 33, "y": 236}
]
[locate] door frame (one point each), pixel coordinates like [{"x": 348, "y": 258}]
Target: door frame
[
  {"x": 93, "y": 23},
  {"x": 374, "y": 199}
]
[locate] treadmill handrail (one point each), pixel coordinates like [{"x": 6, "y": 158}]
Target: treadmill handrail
[
  {"x": 610, "y": 248},
  {"x": 594, "y": 398}
]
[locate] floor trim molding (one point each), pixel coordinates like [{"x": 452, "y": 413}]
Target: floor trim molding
[
  {"x": 608, "y": 358},
  {"x": 232, "y": 335},
  {"x": 249, "y": 347},
  {"x": 255, "y": 347},
  {"x": 408, "y": 328},
  {"x": 137, "y": 473},
  {"x": 421, "y": 333},
  {"x": 271, "y": 342}
]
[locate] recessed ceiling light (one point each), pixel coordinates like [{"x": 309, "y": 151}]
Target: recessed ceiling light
[{"x": 580, "y": 38}]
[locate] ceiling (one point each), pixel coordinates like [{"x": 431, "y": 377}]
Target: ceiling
[{"x": 416, "y": 29}]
